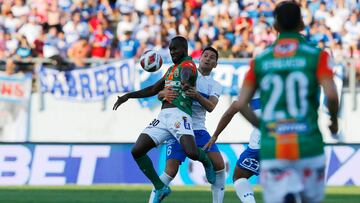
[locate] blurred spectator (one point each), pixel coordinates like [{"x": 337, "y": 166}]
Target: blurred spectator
[
  {"x": 54, "y": 15},
  {"x": 126, "y": 23},
  {"x": 75, "y": 28},
  {"x": 31, "y": 30},
  {"x": 100, "y": 43},
  {"x": 79, "y": 51},
  {"x": 24, "y": 50},
  {"x": 129, "y": 47},
  {"x": 20, "y": 8},
  {"x": 196, "y": 53}
]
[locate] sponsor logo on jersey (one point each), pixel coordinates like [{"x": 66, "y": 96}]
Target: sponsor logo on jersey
[
  {"x": 176, "y": 73},
  {"x": 177, "y": 124},
  {"x": 286, "y": 47},
  {"x": 288, "y": 127}
]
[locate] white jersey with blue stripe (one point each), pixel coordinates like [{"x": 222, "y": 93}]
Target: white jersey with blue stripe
[
  {"x": 254, "y": 142},
  {"x": 207, "y": 87}
]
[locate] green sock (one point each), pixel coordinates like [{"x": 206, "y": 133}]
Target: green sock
[
  {"x": 147, "y": 168},
  {"x": 203, "y": 158}
]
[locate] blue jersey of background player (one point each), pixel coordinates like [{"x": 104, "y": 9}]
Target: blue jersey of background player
[
  {"x": 248, "y": 163},
  {"x": 206, "y": 96}
]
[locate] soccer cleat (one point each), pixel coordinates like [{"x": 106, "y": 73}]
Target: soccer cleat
[
  {"x": 161, "y": 194},
  {"x": 210, "y": 174}
]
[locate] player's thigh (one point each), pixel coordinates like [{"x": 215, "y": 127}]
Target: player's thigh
[
  {"x": 313, "y": 174},
  {"x": 217, "y": 160},
  {"x": 157, "y": 129},
  {"x": 143, "y": 144},
  {"x": 278, "y": 178},
  {"x": 172, "y": 167},
  {"x": 188, "y": 144},
  {"x": 174, "y": 151},
  {"x": 241, "y": 173}
]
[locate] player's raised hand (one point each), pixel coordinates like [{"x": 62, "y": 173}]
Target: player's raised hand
[
  {"x": 120, "y": 100},
  {"x": 210, "y": 143}
]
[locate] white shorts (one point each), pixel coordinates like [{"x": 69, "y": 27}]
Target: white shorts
[
  {"x": 305, "y": 177},
  {"x": 171, "y": 122}
]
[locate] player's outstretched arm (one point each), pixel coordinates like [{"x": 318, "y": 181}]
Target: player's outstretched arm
[
  {"x": 325, "y": 77},
  {"x": 247, "y": 92},
  {"x": 208, "y": 104},
  {"x": 224, "y": 121},
  {"x": 332, "y": 103},
  {"x": 146, "y": 92}
]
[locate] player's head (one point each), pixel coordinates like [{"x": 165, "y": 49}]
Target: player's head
[
  {"x": 288, "y": 17},
  {"x": 208, "y": 59},
  {"x": 178, "y": 48}
]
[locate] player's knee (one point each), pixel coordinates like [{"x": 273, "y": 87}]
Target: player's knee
[
  {"x": 219, "y": 165},
  {"x": 136, "y": 152},
  {"x": 192, "y": 154},
  {"x": 171, "y": 171}
]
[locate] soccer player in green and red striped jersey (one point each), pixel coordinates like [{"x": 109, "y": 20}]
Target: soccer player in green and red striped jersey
[
  {"x": 288, "y": 74},
  {"x": 174, "y": 119}
]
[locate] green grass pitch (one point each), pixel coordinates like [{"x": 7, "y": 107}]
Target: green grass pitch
[{"x": 140, "y": 193}]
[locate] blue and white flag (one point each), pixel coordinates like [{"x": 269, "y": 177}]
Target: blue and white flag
[{"x": 91, "y": 84}]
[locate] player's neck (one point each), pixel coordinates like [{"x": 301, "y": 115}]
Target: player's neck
[{"x": 204, "y": 72}]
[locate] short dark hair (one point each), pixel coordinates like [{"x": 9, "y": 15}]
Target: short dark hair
[
  {"x": 288, "y": 15},
  {"x": 211, "y": 49},
  {"x": 182, "y": 40}
]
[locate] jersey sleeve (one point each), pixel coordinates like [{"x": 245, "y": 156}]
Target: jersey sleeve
[
  {"x": 216, "y": 90},
  {"x": 189, "y": 64},
  {"x": 324, "y": 67},
  {"x": 250, "y": 77}
]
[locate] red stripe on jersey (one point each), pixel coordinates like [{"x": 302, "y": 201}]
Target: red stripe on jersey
[
  {"x": 323, "y": 68},
  {"x": 250, "y": 77}
]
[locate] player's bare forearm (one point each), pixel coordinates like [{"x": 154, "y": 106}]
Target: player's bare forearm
[
  {"x": 332, "y": 99},
  {"x": 247, "y": 92},
  {"x": 250, "y": 115},
  {"x": 208, "y": 104},
  {"x": 226, "y": 118},
  {"x": 148, "y": 91}
]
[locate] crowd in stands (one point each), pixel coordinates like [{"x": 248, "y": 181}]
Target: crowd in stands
[{"x": 78, "y": 29}]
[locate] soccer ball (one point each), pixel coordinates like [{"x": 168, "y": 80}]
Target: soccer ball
[{"x": 151, "y": 61}]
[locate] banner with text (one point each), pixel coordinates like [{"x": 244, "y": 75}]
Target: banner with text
[
  {"x": 91, "y": 84},
  {"x": 15, "y": 92},
  {"x": 87, "y": 164}
]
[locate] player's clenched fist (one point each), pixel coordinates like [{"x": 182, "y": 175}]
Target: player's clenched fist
[{"x": 120, "y": 101}]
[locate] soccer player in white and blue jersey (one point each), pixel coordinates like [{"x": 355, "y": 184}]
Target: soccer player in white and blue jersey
[
  {"x": 205, "y": 98},
  {"x": 248, "y": 163}
]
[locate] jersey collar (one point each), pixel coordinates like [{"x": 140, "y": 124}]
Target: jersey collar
[
  {"x": 185, "y": 58},
  {"x": 295, "y": 35}
]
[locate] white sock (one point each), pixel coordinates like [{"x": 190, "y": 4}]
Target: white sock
[
  {"x": 166, "y": 179},
  {"x": 218, "y": 188},
  {"x": 244, "y": 190}
]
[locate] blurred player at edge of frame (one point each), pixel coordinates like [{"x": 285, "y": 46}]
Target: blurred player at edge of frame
[{"x": 288, "y": 74}]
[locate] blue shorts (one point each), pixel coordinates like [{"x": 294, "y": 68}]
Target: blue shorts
[
  {"x": 174, "y": 149},
  {"x": 249, "y": 160}
]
